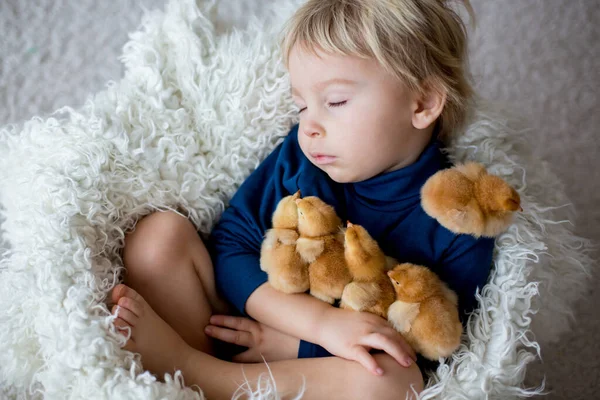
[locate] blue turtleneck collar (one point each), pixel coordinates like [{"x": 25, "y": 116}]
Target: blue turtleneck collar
[{"x": 400, "y": 189}]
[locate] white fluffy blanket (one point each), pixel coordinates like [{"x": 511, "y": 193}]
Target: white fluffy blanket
[{"x": 196, "y": 111}]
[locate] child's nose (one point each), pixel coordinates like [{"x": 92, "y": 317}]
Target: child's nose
[
  {"x": 314, "y": 131},
  {"x": 310, "y": 124}
]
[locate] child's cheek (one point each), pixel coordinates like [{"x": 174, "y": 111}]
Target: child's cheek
[{"x": 302, "y": 141}]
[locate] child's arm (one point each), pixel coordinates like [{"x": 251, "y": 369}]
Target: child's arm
[{"x": 344, "y": 333}]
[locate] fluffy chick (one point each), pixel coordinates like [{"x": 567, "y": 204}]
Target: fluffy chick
[
  {"x": 425, "y": 311},
  {"x": 287, "y": 271},
  {"x": 467, "y": 199},
  {"x": 321, "y": 244},
  {"x": 370, "y": 290}
]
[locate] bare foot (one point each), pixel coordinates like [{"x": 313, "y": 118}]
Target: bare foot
[{"x": 162, "y": 349}]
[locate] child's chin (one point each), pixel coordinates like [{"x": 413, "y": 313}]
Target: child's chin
[{"x": 342, "y": 177}]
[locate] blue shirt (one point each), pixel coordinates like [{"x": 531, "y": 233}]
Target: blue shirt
[{"x": 387, "y": 205}]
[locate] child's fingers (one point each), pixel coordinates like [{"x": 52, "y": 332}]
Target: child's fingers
[
  {"x": 384, "y": 343},
  {"x": 399, "y": 339},
  {"x": 237, "y": 323},
  {"x": 409, "y": 350},
  {"x": 367, "y": 361},
  {"x": 241, "y": 338},
  {"x": 395, "y": 337}
]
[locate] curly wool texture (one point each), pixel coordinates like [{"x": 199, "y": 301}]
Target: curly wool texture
[{"x": 195, "y": 113}]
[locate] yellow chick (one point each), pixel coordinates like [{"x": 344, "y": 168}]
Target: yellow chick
[
  {"x": 370, "y": 290},
  {"x": 467, "y": 199},
  {"x": 287, "y": 271},
  {"x": 425, "y": 311},
  {"x": 321, "y": 245}
]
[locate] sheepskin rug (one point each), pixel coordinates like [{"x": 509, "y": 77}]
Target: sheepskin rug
[{"x": 198, "y": 108}]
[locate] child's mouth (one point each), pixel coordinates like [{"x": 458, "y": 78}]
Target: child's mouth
[{"x": 322, "y": 159}]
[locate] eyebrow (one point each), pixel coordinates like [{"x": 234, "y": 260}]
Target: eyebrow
[{"x": 323, "y": 84}]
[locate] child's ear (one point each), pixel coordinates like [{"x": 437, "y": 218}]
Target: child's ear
[{"x": 427, "y": 107}]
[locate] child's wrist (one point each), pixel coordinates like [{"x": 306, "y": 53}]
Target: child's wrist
[{"x": 322, "y": 325}]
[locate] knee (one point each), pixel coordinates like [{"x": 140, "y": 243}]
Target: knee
[
  {"x": 397, "y": 382},
  {"x": 158, "y": 243}
]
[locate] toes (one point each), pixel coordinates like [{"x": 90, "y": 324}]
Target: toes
[
  {"x": 115, "y": 295},
  {"x": 124, "y": 328},
  {"x": 132, "y": 305},
  {"x": 125, "y": 314},
  {"x": 122, "y": 325},
  {"x": 123, "y": 291}
]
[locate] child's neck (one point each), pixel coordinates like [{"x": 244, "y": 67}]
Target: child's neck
[{"x": 422, "y": 139}]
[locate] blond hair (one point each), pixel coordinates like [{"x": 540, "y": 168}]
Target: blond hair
[{"x": 421, "y": 42}]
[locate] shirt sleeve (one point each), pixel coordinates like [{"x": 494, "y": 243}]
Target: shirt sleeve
[
  {"x": 311, "y": 350},
  {"x": 465, "y": 267},
  {"x": 235, "y": 242}
]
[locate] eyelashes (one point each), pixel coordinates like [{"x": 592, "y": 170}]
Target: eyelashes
[{"x": 339, "y": 104}]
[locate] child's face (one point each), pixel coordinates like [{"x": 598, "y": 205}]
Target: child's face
[{"x": 357, "y": 126}]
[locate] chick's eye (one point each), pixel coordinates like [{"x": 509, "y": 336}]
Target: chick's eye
[{"x": 302, "y": 109}]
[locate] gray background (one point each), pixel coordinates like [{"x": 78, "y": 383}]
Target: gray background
[{"x": 540, "y": 56}]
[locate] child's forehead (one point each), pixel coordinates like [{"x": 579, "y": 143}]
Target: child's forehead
[
  {"x": 319, "y": 70},
  {"x": 323, "y": 84}
]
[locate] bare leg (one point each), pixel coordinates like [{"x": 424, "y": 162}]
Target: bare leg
[
  {"x": 163, "y": 350},
  {"x": 165, "y": 261},
  {"x": 334, "y": 378},
  {"x": 169, "y": 267}
]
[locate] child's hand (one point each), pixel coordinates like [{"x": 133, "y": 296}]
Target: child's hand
[
  {"x": 351, "y": 334},
  {"x": 261, "y": 340}
]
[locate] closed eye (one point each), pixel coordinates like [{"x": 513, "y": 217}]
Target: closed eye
[{"x": 339, "y": 104}]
